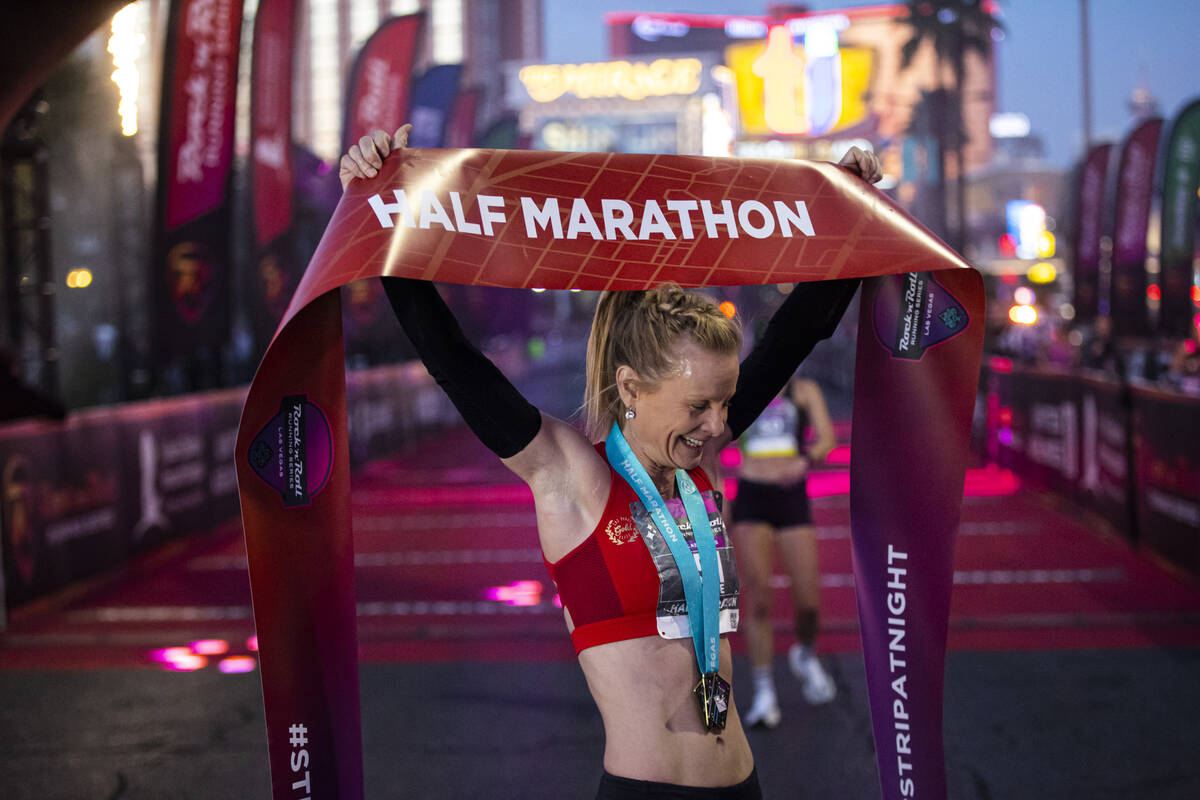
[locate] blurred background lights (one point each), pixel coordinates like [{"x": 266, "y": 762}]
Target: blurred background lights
[
  {"x": 517, "y": 593},
  {"x": 79, "y": 278},
  {"x": 210, "y": 647},
  {"x": 1042, "y": 272},
  {"x": 236, "y": 664},
  {"x": 125, "y": 44},
  {"x": 1024, "y": 296},
  {"x": 1009, "y": 126},
  {"x": 1023, "y": 315},
  {"x": 728, "y": 309}
]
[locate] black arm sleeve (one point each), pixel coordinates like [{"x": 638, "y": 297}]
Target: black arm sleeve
[
  {"x": 810, "y": 313},
  {"x": 493, "y": 408}
]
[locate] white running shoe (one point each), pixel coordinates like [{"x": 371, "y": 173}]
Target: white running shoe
[
  {"x": 763, "y": 711},
  {"x": 817, "y": 686}
]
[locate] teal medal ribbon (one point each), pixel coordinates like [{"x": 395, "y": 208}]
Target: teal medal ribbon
[{"x": 701, "y": 584}]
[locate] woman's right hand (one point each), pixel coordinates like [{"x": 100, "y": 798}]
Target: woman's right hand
[{"x": 365, "y": 158}]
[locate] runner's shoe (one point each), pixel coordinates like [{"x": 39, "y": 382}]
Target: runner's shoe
[
  {"x": 763, "y": 711},
  {"x": 816, "y": 684}
]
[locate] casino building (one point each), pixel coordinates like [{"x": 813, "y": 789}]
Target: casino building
[{"x": 794, "y": 83}]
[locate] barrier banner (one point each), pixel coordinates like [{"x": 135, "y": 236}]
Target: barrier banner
[
  {"x": 1180, "y": 183},
  {"x": 277, "y": 268},
  {"x": 1167, "y": 435},
  {"x": 617, "y": 221},
  {"x": 1135, "y": 186},
  {"x": 1051, "y": 409},
  {"x": 1089, "y": 214},
  {"x": 85, "y": 495},
  {"x": 190, "y": 269},
  {"x": 1105, "y": 478},
  {"x": 61, "y": 513}
]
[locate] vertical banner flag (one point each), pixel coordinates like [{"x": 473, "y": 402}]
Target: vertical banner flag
[
  {"x": 619, "y": 222},
  {"x": 1135, "y": 187},
  {"x": 1089, "y": 218},
  {"x": 435, "y": 93},
  {"x": 377, "y": 95},
  {"x": 276, "y": 271},
  {"x": 377, "y": 98},
  {"x": 1180, "y": 182},
  {"x": 191, "y": 264},
  {"x": 460, "y": 128}
]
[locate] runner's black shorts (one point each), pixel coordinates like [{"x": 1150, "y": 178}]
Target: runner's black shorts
[
  {"x": 778, "y": 506},
  {"x": 613, "y": 787}
]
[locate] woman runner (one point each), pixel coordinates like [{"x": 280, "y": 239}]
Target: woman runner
[{"x": 664, "y": 394}]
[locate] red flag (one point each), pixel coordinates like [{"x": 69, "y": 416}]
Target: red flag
[
  {"x": 276, "y": 270},
  {"x": 191, "y": 264},
  {"x": 378, "y": 93}
]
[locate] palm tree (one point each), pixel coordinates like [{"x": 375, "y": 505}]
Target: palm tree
[{"x": 954, "y": 28}]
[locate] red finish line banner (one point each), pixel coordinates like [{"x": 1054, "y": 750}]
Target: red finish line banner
[{"x": 617, "y": 221}]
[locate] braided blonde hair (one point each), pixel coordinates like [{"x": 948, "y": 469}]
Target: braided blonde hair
[{"x": 642, "y": 329}]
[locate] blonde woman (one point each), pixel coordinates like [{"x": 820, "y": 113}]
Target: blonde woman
[{"x": 628, "y": 514}]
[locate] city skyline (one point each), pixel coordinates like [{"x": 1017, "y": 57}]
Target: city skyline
[{"x": 1038, "y": 61}]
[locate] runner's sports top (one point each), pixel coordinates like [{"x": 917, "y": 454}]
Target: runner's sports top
[
  {"x": 779, "y": 431},
  {"x": 622, "y": 583}
]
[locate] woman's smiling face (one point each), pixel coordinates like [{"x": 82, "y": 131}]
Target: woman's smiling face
[{"x": 679, "y": 415}]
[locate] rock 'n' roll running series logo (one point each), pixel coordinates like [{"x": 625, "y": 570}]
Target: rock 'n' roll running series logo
[
  {"x": 914, "y": 312},
  {"x": 293, "y": 452}
]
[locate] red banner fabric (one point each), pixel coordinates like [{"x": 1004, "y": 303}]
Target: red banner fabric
[{"x": 619, "y": 221}]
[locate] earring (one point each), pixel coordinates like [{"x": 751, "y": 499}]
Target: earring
[{"x": 630, "y": 413}]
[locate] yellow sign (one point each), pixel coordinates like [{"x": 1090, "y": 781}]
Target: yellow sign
[
  {"x": 780, "y": 90},
  {"x": 633, "y": 81}
]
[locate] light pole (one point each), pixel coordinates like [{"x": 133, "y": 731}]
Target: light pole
[{"x": 1085, "y": 56}]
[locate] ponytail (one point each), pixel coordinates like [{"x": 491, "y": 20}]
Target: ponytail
[{"x": 642, "y": 329}]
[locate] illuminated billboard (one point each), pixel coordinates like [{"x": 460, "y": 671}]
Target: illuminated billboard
[{"x": 810, "y": 79}]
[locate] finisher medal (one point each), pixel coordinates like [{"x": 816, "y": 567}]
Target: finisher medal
[
  {"x": 712, "y": 692},
  {"x": 701, "y": 583}
]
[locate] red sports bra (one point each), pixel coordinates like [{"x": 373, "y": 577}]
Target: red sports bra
[{"x": 610, "y": 582}]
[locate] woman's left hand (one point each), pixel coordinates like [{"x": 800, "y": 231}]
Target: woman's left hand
[{"x": 863, "y": 164}]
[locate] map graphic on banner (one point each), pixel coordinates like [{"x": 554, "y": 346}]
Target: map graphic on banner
[{"x": 624, "y": 221}]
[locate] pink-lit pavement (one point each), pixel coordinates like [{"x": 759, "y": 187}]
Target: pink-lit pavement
[{"x": 457, "y": 621}]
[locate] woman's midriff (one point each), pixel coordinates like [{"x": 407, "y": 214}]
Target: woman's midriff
[
  {"x": 652, "y": 725},
  {"x": 767, "y": 469}
]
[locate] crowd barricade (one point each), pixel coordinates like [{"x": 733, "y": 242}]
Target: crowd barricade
[
  {"x": 1167, "y": 476},
  {"x": 85, "y": 495},
  {"x": 1129, "y": 452}
]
